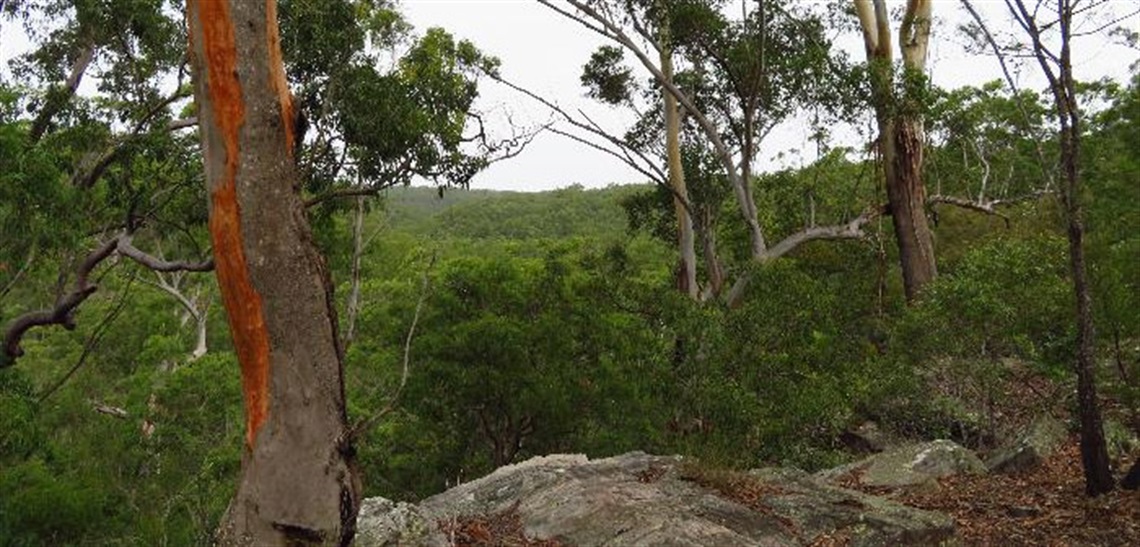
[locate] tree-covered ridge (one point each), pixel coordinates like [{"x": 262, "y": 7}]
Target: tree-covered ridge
[{"x": 568, "y": 212}]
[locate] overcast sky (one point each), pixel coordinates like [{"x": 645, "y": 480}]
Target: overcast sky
[{"x": 544, "y": 52}]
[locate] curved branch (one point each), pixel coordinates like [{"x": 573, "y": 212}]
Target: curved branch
[
  {"x": 988, "y": 207},
  {"x": 63, "y": 313},
  {"x": 127, "y": 249},
  {"x": 850, "y": 230}
]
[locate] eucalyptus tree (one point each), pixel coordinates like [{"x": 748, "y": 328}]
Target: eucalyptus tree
[
  {"x": 113, "y": 170},
  {"x": 734, "y": 80},
  {"x": 298, "y": 483},
  {"x": 1047, "y": 33},
  {"x": 898, "y": 104}
]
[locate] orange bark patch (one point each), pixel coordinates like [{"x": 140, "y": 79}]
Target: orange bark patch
[
  {"x": 243, "y": 303},
  {"x": 277, "y": 73}
]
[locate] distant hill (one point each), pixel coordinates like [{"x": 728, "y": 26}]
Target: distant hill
[{"x": 490, "y": 214}]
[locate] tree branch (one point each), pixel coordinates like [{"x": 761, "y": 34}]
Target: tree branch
[
  {"x": 127, "y": 249},
  {"x": 63, "y": 313},
  {"x": 849, "y": 230},
  {"x": 59, "y": 96},
  {"x": 367, "y": 423}
]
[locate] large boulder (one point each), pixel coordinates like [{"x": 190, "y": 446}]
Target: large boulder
[
  {"x": 1030, "y": 448},
  {"x": 638, "y": 499},
  {"x": 907, "y": 465}
]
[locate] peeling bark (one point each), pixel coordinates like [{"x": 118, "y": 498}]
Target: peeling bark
[
  {"x": 901, "y": 133},
  {"x": 298, "y": 483}
]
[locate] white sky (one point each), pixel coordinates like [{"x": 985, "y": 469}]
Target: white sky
[{"x": 544, "y": 52}]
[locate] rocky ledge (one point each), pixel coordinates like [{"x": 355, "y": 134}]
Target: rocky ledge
[{"x": 639, "y": 499}]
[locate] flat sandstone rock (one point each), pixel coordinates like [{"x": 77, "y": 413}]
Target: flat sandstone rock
[{"x": 638, "y": 499}]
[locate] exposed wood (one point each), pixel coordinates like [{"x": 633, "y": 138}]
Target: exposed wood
[
  {"x": 113, "y": 411},
  {"x": 901, "y": 138},
  {"x": 298, "y": 483}
]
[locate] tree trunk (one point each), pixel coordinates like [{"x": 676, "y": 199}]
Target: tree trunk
[
  {"x": 1094, "y": 452},
  {"x": 687, "y": 269},
  {"x": 352, "y": 307},
  {"x": 298, "y": 484},
  {"x": 906, "y": 195},
  {"x": 900, "y": 132}
]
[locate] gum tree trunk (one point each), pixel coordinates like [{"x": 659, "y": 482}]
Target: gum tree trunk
[
  {"x": 298, "y": 485},
  {"x": 901, "y": 132},
  {"x": 687, "y": 270}
]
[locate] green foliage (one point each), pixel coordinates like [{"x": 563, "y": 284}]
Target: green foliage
[
  {"x": 39, "y": 506},
  {"x": 1005, "y": 299},
  {"x": 513, "y": 357},
  {"x": 605, "y": 78}
]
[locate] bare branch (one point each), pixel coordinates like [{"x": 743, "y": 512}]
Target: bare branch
[
  {"x": 127, "y": 249},
  {"x": 850, "y": 230},
  {"x": 175, "y": 125},
  {"x": 367, "y": 423},
  {"x": 63, "y": 312},
  {"x": 972, "y": 205},
  {"x": 112, "y": 411},
  {"x": 1106, "y": 25},
  {"x": 627, "y": 154},
  {"x": 340, "y": 193}
]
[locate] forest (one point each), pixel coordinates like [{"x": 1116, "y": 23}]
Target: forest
[{"x": 246, "y": 283}]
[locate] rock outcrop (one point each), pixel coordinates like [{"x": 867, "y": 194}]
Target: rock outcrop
[
  {"x": 908, "y": 465},
  {"x": 638, "y": 499},
  {"x": 1030, "y": 448}
]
